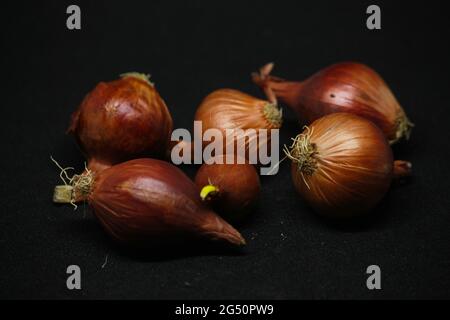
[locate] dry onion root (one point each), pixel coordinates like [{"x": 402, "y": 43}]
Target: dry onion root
[{"x": 342, "y": 165}]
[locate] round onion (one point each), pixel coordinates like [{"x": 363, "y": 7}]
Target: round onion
[
  {"x": 231, "y": 189},
  {"x": 342, "y": 165},
  {"x": 122, "y": 120}
]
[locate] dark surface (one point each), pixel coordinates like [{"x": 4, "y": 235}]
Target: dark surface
[{"x": 192, "y": 48}]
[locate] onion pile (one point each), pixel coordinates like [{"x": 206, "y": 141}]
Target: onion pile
[
  {"x": 122, "y": 120},
  {"x": 147, "y": 201},
  {"x": 231, "y": 189},
  {"x": 343, "y": 87},
  {"x": 342, "y": 165}
]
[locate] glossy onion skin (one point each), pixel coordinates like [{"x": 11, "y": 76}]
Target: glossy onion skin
[
  {"x": 121, "y": 120},
  {"x": 239, "y": 187},
  {"x": 148, "y": 201},
  {"x": 354, "y": 166},
  {"x": 231, "y": 109},
  {"x": 343, "y": 87}
]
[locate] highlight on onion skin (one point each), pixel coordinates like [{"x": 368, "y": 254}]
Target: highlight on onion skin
[
  {"x": 343, "y": 87},
  {"x": 232, "y": 109},
  {"x": 342, "y": 165},
  {"x": 231, "y": 189},
  {"x": 122, "y": 120},
  {"x": 144, "y": 202}
]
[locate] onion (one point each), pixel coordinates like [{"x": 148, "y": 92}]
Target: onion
[
  {"x": 231, "y": 109},
  {"x": 231, "y": 189},
  {"x": 342, "y": 165},
  {"x": 145, "y": 202},
  {"x": 122, "y": 120},
  {"x": 343, "y": 87}
]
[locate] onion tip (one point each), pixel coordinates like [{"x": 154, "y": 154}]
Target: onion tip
[
  {"x": 404, "y": 128},
  {"x": 138, "y": 75},
  {"x": 402, "y": 169}
]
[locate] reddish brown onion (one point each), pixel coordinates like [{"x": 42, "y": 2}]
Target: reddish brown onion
[
  {"x": 146, "y": 201},
  {"x": 343, "y": 87},
  {"x": 342, "y": 165},
  {"x": 231, "y": 109},
  {"x": 231, "y": 189},
  {"x": 122, "y": 120}
]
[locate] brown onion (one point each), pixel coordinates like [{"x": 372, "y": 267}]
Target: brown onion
[
  {"x": 146, "y": 201},
  {"x": 231, "y": 189},
  {"x": 342, "y": 165},
  {"x": 343, "y": 87},
  {"x": 122, "y": 120},
  {"x": 231, "y": 109}
]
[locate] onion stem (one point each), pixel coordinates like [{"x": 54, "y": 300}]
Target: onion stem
[
  {"x": 63, "y": 194},
  {"x": 141, "y": 76}
]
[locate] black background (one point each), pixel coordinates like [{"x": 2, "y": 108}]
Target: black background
[{"x": 191, "y": 48}]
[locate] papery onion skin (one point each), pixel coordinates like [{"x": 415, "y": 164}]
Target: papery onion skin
[
  {"x": 236, "y": 188},
  {"x": 351, "y": 165},
  {"x": 148, "y": 201},
  {"x": 232, "y": 109},
  {"x": 122, "y": 120},
  {"x": 343, "y": 87}
]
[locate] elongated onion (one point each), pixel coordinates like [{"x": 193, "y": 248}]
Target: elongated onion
[
  {"x": 343, "y": 87},
  {"x": 146, "y": 202}
]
